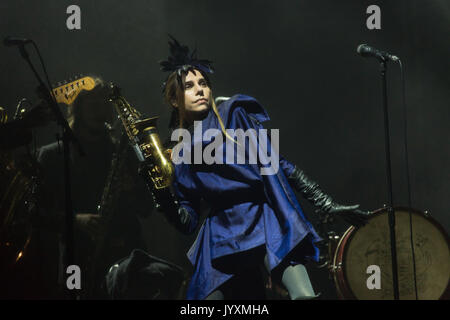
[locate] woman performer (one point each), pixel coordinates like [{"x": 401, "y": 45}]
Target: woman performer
[{"x": 254, "y": 218}]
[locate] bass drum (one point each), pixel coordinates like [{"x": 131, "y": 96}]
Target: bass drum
[{"x": 423, "y": 268}]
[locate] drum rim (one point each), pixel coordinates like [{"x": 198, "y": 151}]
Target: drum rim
[{"x": 340, "y": 279}]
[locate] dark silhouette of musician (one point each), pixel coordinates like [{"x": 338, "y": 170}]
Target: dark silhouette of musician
[{"x": 90, "y": 117}]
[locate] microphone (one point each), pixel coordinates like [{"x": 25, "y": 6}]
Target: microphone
[
  {"x": 367, "y": 51},
  {"x": 13, "y": 41}
]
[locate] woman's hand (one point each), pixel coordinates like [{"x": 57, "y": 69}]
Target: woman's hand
[{"x": 351, "y": 214}]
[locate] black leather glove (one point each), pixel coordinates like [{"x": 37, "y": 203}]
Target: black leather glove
[
  {"x": 167, "y": 203},
  {"x": 323, "y": 202}
]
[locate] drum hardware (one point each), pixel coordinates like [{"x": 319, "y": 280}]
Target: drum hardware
[
  {"x": 332, "y": 236},
  {"x": 19, "y": 110},
  {"x": 328, "y": 245},
  {"x": 323, "y": 259},
  {"x": 335, "y": 268},
  {"x": 3, "y": 115}
]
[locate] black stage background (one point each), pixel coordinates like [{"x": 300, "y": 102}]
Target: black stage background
[{"x": 298, "y": 58}]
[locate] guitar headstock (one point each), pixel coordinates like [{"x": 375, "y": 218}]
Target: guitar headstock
[{"x": 68, "y": 92}]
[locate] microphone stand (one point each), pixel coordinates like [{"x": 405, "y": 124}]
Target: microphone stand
[
  {"x": 68, "y": 137},
  {"x": 391, "y": 214}
]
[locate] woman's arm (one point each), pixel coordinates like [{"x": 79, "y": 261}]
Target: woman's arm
[
  {"x": 178, "y": 206},
  {"x": 311, "y": 190},
  {"x": 179, "y": 213},
  {"x": 323, "y": 202}
]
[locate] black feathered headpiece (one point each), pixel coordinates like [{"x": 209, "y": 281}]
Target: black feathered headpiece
[{"x": 181, "y": 59}]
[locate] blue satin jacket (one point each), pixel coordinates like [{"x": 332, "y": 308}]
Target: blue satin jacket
[{"x": 248, "y": 210}]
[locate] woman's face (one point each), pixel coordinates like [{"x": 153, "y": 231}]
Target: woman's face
[{"x": 197, "y": 95}]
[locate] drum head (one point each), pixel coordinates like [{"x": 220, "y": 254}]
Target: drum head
[{"x": 423, "y": 268}]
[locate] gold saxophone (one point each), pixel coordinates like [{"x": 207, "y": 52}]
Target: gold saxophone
[{"x": 144, "y": 138}]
